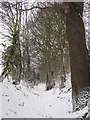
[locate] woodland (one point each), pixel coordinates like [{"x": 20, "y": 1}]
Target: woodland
[{"x": 44, "y": 40}]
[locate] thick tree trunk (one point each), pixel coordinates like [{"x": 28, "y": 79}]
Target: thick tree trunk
[
  {"x": 50, "y": 83},
  {"x": 78, "y": 50}
]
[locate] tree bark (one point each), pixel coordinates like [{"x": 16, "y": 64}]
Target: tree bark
[
  {"x": 89, "y": 108},
  {"x": 78, "y": 50}
]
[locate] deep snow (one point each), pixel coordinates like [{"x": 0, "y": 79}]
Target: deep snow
[{"x": 25, "y": 102}]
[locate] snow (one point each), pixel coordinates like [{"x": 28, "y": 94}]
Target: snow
[
  {"x": 0, "y": 100},
  {"x": 1, "y": 48},
  {"x": 34, "y": 102}
]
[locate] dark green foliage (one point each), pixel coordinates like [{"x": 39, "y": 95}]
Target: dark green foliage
[
  {"x": 15, "y": 37},
  {"x": 11, "y": 56}
]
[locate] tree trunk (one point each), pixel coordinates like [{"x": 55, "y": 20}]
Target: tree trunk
[
  {"x": 89, "y": 108},
  {"x": 27, "y": 47},
  {"x": 50, "y": 83},
  {"x": 78, "y": 50},
  {"x": 62, "y": 76}
]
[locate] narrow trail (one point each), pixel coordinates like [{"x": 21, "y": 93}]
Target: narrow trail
[{"x": 22, "y": 102}]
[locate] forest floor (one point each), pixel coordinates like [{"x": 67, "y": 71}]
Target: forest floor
[{"x": 22, "y": 101}]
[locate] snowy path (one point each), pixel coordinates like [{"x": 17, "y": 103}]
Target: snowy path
[{"x": 21, "y": 102}]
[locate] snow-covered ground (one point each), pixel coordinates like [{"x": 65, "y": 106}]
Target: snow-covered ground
[
  {"x": 24, "y": 102},
  {"x": 0, "y": 101}
]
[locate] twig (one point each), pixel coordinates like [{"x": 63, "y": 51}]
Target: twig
[{"x": 35, "y": 94}]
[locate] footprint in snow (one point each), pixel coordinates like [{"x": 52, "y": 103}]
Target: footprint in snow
[
  {"x": 8, "y": 100},
  {"x": 6, "y": 95},
  {"x": 50, "y": 105},
  {"x": 12, "y": 111},
  {"x": 57, "y": 96},
  {"x": 21, "y": 104}
]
